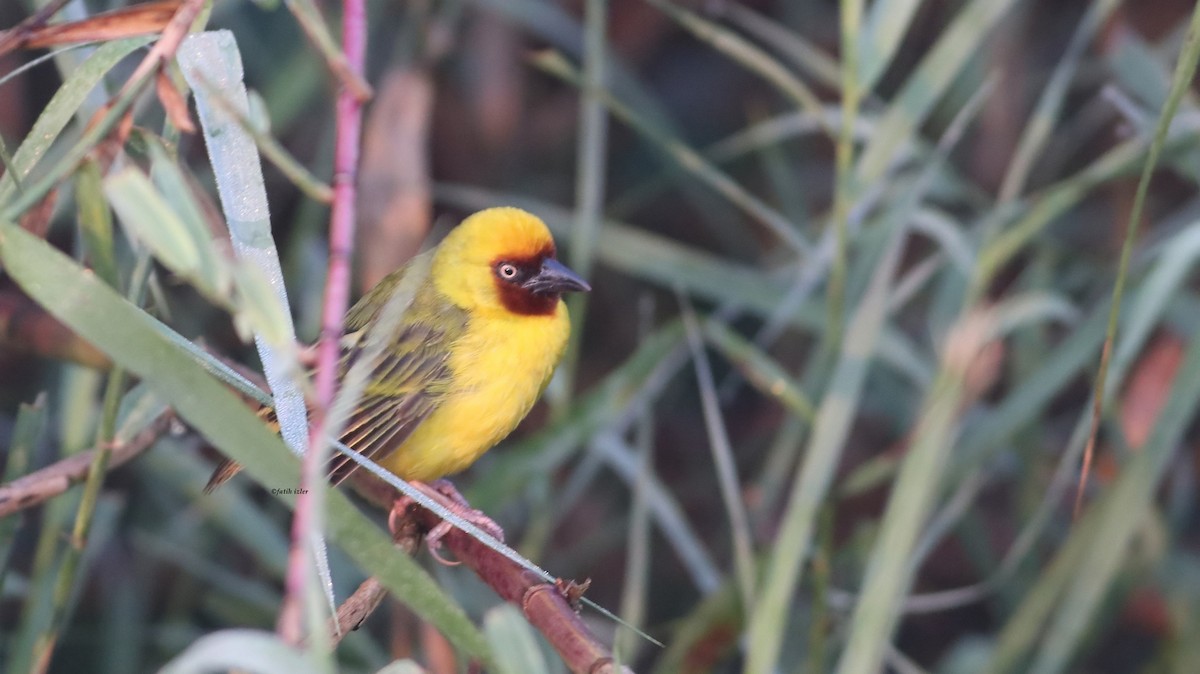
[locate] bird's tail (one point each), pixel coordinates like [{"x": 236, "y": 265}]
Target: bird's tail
[{"x": 227, "y": 468}]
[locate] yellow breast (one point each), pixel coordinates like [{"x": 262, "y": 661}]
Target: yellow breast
[{"x": 500, "y": 367}]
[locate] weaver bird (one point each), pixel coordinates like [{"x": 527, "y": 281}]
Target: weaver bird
[{"x": 471, "y": 355}]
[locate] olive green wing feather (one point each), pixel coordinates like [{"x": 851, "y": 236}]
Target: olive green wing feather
[
  {"x": 404, "y": 387},
  {"x": 366, "y": 310}
]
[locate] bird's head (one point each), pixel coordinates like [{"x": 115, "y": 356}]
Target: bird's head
[{"x": 502, "y": 260}]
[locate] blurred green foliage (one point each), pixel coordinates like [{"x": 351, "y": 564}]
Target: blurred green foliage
[{"x": 900, "y": 224}]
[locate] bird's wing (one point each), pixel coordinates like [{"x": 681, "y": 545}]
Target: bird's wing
[
  {"x": 403, "y": 388},
  {"x": 367, "y": 309}
]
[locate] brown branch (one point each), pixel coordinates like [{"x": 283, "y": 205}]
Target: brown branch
[
  {"x": 147, "y": 18},
  {"x": 42, "y": 485},
  {"x": 549, "y": 607},
  {"x": 172, "y": 35},
  {"x": 359, "y": 606},
  {"x": 28, "y": 328},
  {"x": 356, "y": 609},
  {"x": 545, "y": 605},
  {"x": 16, "y": 37}
]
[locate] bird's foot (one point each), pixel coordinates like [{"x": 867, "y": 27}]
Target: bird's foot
[{"x": 447, "y": 495}]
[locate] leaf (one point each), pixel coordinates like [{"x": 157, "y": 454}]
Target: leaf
[
  {"x": 258, "y": 310},
  {"x": 144, "y": 19},
  {"x": 925, "y": 87},
  {"x": 513, "y": 641},
  {"x": 152, "y": 221},
  {"x": 402, "y": 667},
  {"x": 62, "y": 108},
  {"x": 252, "y": 650},
  {"x": 763, "y": 372},
  {"x": 135, "y": 341},
  {"x": 95, "y": 222}
]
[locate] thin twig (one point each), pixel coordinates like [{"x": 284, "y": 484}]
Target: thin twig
[
  {"x": 356, "y": 609},
  {"x": 69, "y": 568},
  {"x": 168, "y": 43},
  {"x": 370, "y": 594},
  {"x": 271, "y": 148},
  {"x": 45, "y": 484},
  {"x": 17, "y": 37},
  {"x": 337, "y": 293},
  {"x": 1185, "y": 69},
  {"x": 342, "y": 65}
]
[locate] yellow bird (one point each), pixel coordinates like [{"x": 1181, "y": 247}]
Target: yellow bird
[{"x": 473, "y": 352}]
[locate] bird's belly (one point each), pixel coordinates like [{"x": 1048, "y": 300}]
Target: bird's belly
[{"x": 500, "y": 375}]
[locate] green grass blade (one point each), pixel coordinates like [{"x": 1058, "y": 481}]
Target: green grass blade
[
  {"x": 765, "y": 374},
  {"x": 95, "y": 223},
  {"x": 635, "y": 591},
  {"x": 249, "y": 650},
  {"x": 1117, "y": 517},
  {"x": 590, "y": 170},
  {"x": 684, "y": 156},
  {"x": 513, "y": 641},
  {"x": 727, "y": 479},
  {"x": 811, "y": 485},
  {"x": 744, "y": 52},
  {"x": 790, "y": 45},
  {"x": 27, "y": 432},
  {"x": 214, "y": 57},
  {"x": 886, "y": 25},
  {"x": 664, "y": 508},
  {"x": 1025, "y": 626},
  {"x": 63, "y": 107},
  {"x": 1050, "y": 103},
  {"x": 1145, "y": 470},
  {"x": 274, "y": 151},
  {"x": 845, "y": 188},
  {"x": 1185, "y": 69},
  {"x": 925, "y": 87},
  {"x": 889, "y": 571},
  {"x": 1031, "y": 218},
  {"x": 175, "y": 242}
]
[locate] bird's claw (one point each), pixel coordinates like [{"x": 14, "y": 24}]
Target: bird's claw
[
  {"x": 433, "y": 540},
  {"x": 446, "y": 494}
]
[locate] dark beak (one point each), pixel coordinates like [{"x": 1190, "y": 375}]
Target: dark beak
[{"x": 554, "y": 278}]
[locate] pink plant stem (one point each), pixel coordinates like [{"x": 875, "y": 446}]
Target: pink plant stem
[{"x": 337, "y": 294}]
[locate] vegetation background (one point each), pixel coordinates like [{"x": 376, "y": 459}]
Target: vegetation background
[{"x": 853, "y": 267}]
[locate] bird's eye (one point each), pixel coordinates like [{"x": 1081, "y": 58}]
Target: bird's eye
[{"x": 506, "y": 271}]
